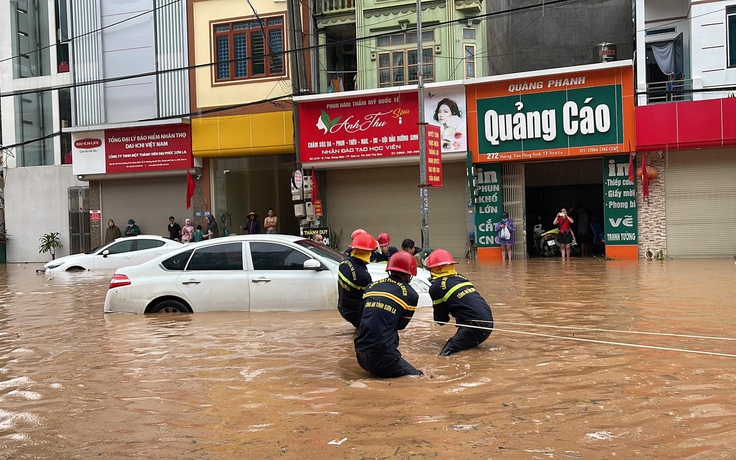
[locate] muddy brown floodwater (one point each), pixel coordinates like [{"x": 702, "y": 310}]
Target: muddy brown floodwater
[{"x": 75, "y": 383}]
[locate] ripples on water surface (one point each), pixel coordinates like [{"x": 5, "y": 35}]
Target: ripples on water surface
[{"x": 77, "y": 384}]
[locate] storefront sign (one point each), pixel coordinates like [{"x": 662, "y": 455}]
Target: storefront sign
[
  {"x": 377, "y": 126},
  {"x": 318, "y": 208},
  {"x": 310, "y": 232},
  {"x": 619, "y": 201},
  {"x": 434, "y": 157},
  {"x": 445, "y": 108},
  {"x": 95, "y": 215},
  {"x": 152, "y": 148},
  {"x": 545, "y": 117},
  {"x": 489, "y": 204}
]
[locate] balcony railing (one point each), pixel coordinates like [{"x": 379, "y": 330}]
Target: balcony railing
[
  {"x": 669, "y": 91},
  {"x": 335, "y": 6}
]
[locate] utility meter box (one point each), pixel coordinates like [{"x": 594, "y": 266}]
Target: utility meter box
[{"x": 299, "y": 210}]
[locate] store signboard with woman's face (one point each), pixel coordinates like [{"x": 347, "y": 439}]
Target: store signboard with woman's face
[
  {"x": 445, "y": 107},
  {"x": 542, "y": 117}
]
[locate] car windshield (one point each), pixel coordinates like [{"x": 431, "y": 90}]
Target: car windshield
[
  {"x": 321, "y": 250},
  {"x": 94, "y": 250}
]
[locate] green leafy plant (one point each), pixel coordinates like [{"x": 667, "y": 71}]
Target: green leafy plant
[
  {"x": 335, "y": 239},
  {"x": 660, "y": 256},
  {"x": 49, "y": 243}
]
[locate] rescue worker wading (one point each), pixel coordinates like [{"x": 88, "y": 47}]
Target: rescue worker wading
[
  {"x": 387, "y": 307},
  {"x": 353, "y": 278},
  {"x": 356, "y": 232},
  {"x": 452, "y": 294},
  {"x": 384, "y": 251}
]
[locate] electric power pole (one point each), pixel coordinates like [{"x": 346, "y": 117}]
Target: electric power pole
[{"x": 422, "y": 132}]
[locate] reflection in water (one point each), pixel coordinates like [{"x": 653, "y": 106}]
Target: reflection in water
[{"x": 75, "y": 383}]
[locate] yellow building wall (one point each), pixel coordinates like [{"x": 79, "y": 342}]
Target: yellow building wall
[
  {"x": 239, "y": 135},
  {"x": 210, "y": 94}
]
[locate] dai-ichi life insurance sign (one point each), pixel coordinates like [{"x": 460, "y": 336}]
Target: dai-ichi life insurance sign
[
  {"x": 357, "y": 128},
  {"x": 587, "y": 112}
]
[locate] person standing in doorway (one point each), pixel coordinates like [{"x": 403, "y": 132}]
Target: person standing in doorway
[
  {"x": 564, "y": 238},
  {"x": 187, "y": 232},
  {"x": 212, "y": 230},
  {"x": 174, "y": 229},
  {"x": 132, "y": 229},
  {"x": 584, "y": 232},
  {"x": 269, "y": 223},
  {"x": 112, "y": 232},
  {"x": 252, "y": 226},
  {"x": 505, "y": 230}
]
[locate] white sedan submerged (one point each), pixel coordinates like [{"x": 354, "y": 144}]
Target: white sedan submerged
[
  {"x": 123, "y": 252},
  {"x": 239, "y": 273}
]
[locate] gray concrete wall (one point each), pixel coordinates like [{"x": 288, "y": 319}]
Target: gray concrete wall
[
  {"x": 560, "y": 35},
  {"x": 36, "y": 202}
]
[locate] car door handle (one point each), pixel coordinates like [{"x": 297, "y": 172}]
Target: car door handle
[
  {"x": 191, "y": 282},
  {"x": 261, "y": 280}
]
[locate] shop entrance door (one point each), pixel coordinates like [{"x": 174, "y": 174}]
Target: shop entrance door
[
  {"x": 79, "y": 235},
  {"x": 513, "y": 203}
]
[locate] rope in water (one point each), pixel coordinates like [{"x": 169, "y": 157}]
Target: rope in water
[
  {"x": 579, "y": 339},
  {"x": 618, "y": 331}
]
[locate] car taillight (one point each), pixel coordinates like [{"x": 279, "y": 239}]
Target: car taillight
[{"x": 119, "y": 280}]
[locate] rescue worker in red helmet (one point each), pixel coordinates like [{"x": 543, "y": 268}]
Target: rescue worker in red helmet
[
  {"x": 384, "y": 251},
  {"x": 353, "y": 278},
  {"x": 356, "y": 232},
  {"x": 387, "y": 307},
  {"x": 452, "y": 294}
]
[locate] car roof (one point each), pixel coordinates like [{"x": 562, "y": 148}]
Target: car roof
[
  {"x": 145, "y": 237},
  {"x": 261, "y": 237}
]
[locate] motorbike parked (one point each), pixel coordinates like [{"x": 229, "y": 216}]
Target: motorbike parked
[{"x": 545, "y": 242}]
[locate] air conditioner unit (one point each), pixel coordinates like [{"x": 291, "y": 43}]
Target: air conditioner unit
[{"x": 348, "y": 48}]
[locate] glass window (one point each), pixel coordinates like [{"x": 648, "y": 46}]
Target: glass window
[
  {"x": 321, "y": 250},
  {"x": 400, "y": 67},
  {"x": 243, "y": 51},
  {"x": 121, "y": 247},
  {"x": 148, "y": 244},
  {"x": 65, "y": 113},
  {"x": 29, "y": 21},
  {"x": 274, "y": 256},
  {"x": 469, "y": 34},
  {"x": 34, "y": 122},
  {"x": 177, "y": 262},
  {"x": 383, "y": 41},
  {"x": 469, "y": 61},
  {"x": 397, "y": 39},
  {"x": 228, "y": 256},
  {"x": 732, "y": 36}
]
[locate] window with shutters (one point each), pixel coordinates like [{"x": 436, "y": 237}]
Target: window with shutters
[
  {"x": 731, "y": 34},
  {"x": 248, "y": 49}
]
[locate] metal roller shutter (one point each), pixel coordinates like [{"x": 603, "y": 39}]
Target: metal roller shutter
[
  {"x": 700, "y": 200},
  {"x": 387, "y": 200},
  {"x": 513, "y": 203},
  {"x": 149, "y": 202}
]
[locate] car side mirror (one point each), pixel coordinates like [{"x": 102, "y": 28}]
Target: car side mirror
[
  {"x": 312, "y": 264},
  {"x": 105, "y": 253}
]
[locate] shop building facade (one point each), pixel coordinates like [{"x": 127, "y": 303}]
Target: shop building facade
[
  {"x": 546, "y": 140},
  {"x": 242, "y": 127},
  {"x": 131, "y": 136},
  {"x": 686, "y": 126}
]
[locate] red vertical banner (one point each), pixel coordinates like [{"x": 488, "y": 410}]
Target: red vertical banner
[{"x": 434, "y": 156}]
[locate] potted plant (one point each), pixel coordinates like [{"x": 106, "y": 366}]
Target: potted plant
[{"x": 49, "y": 243}]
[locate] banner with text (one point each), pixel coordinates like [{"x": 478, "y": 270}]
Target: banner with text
[
  {"x": 583, "y": 113},
  {"x": 619, "y": 201},
  {"x": 150, "y": 148},
  {"x": 434, "y": 157},
  {"x": 489, "y": 204}
]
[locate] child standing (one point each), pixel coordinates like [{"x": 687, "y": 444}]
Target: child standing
[{"x": 198, "y": 235}]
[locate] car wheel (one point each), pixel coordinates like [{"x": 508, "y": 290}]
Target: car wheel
[{"x": 170, "y": 306}]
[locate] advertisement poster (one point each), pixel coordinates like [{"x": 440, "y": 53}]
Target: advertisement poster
[
  {"x": 445, "y": 108},
  {"x": 589, "y": 113},
  {"x": 141, "y": 149},
  {"x": 489, "y": 204},
  {"x": 310, "y": 232},
  {"x": 434, "y": 157},
  {"x": 619, "y": 202},
  {"x": 357, "y": 128}
]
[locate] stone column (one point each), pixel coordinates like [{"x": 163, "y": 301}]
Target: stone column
[{"x": 652, "y": 217}]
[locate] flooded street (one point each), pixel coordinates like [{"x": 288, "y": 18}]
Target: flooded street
[{"x": 77, "y": 384}]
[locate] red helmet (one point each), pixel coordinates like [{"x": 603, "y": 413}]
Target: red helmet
[
  {"x": 383, "y": 238},
  {"x": 364, "y": 242},
  {"x": 357, "y": 232},
  {"x": 402, "y": 262},
  {"x": 438, "y": 258}
]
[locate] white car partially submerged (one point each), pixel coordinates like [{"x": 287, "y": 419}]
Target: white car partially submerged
[
  {"x": 239, "y": 273},
  {"x": 123, "y": 252}
]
